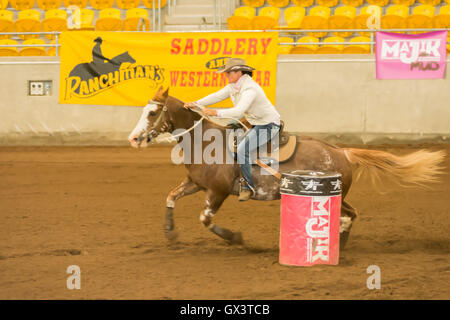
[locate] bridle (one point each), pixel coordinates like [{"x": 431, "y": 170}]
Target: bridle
[{"x": 166, "y": 124}]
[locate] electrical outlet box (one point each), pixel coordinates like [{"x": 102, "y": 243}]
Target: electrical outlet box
[{"x": 39, "y": 87}]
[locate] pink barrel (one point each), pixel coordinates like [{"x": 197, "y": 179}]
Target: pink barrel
[{"x": 310, "y": 215}]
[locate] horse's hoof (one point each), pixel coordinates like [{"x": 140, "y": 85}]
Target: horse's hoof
[
  {"x": 343, "y": 238},
  {"x": 237, "y": 238},
  {"x": 171, "y": 235}
]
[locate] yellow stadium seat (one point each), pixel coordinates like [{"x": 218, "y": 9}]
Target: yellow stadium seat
[
  {"x": 254, "y": 3},
  {"x": 79, "y": 3},
  {"x": 8, "y": 51},
  {"x": 48, "y": 4},
  {"x": 358, "y": 48},
  {"x": 127, "y": 4},
  {"x": 4, "y": 4},
  {"x": 55, "y": 20},
  {"x": 305, "y": 48},
  {"x": 327, "y": 3},
  {"x": 407, "y": 3},
  {"x": 149, "y": 3},
  {"x": 109, "y": 20},
  {"x": 33, "y": 51},
  {"x": 442, "y": 20},
  {"x": 21, "y": 4},
  {"x": 242, "y": 18},
  {"x": 28, "y": 21},
  {"x": 6, "y": 22},
  {"x": 353, "y": 3},
  {"x": 284, "y": 48},
  {"x": 133, "y": 16},
  {"x": 380, "y": 3},
  {"x": 430, "y": 2},
  {"x": 395, "y": 17},
  {"x": 52, "y": 50},
  {"x": 267, "y": 18},
  {"x": 360, "y": 21},
  {"x": 303, "y": 3},
  {"x": 421, "y": 18},
  {"x": 331, "y": 48},
  {"x": 342, "y": 19},
  {"x": 317, "y": 19},
  {"x": 278, "y": 3},
  {"x": 294, "y": 17},
  {"x": 101, "y": 4},
  {"x": 87, "y": 19}
]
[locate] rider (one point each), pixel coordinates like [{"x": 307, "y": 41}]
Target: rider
[
  {"x": 249, "y": 100},
  {"x": 98, "y": 59}
]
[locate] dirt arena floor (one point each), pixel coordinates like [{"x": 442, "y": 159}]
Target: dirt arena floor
[{"x": 102, "y": 209}]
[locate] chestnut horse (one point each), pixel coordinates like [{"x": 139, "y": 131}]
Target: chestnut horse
[{"x": 165, "y": 114}]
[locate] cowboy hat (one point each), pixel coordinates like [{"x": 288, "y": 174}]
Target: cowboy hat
[
  {"x": 98, "y": 39},
  {"x": 234, "y": 64}
]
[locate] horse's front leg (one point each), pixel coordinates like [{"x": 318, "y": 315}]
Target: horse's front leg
[
  {"x": 186, "y": 188},
  {"x": 213, "y": 202}
]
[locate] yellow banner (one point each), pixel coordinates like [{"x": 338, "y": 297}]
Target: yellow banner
[{"x": 126, "y": 68}]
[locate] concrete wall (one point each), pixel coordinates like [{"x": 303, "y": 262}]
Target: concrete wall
[{"x": 316, "y": 95}]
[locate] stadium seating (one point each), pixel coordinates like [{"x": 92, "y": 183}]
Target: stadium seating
[
  {"x": 358, "y": 48},
  {"x": 3, "y": 4},
  {"x": 278, "y": 3},
  {"x": 8, "y": 51},
  {"x": 131, "y": 21},
  {"x": 342, "y": 19},
  {"x": 109, "y": 20},
  {"x": 267, "y": 18},
  {"x": 242, "y": 18},
  {"x": 21, "y": 4},
  {"x": 327, "y": 3},
  {"x": 33, "y": 51},
  {"x": 303, "y": 3},
  {"x": 101, "y": 4},
  {"x": 254, "y": 3},
  {"x": 55, "y": 20},
  {"x": 52, "y": 50},
  {"x": 380, "y": 3},
  {"x": 87, "y": 19},
  {"x": 48, "y": 4},
  {"x": 285, "y": 49},
  {"x": 360, "y": 21},
  {"x": 430, "y": 2},
  {"x": 407, "y": 3},
  {"x": 6, "y": 22},
  {"x": 395, "y": 17},
  {"x": 149, "y": 3},
  {"x": 331, "y": 48},
  {"x": 294, "y": 17},
  {"x": 422, "y": 17},
  {"x": 28, "y": 21},
  {"x": 79, "y": 3},
  {"x": 353, "y": 3},
  {"x": 442, "y": 20},
  {"x": 305, "y": 48},
  {"x": 127, "y": 4},
  {"x": 317, "y": 19}
]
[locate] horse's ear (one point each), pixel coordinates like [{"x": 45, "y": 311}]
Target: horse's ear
[
  {"x": 166, "y": 93},
  {"x": 160, "y": 90}
]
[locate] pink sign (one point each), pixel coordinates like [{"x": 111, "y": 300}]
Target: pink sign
[{"x": 416, "y": 56}]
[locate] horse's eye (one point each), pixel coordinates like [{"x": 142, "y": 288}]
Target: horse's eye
[{"x": 152, "y": 113}]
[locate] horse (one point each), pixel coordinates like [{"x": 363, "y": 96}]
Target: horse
[
  {"x": 92, "y": 70},
  {"x": 166, "y": 114}
]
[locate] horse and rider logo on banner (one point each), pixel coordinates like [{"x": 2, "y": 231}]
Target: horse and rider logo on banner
[{"x": 111, "y": 68}]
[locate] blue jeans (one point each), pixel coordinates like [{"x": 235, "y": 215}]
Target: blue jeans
[{"x": 256, "y": 137}]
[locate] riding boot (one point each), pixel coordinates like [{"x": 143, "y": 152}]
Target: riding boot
[{"x": 245, "y": 191}]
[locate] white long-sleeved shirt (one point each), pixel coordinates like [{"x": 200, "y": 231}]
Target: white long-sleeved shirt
[{"x": 249, "y": 101}]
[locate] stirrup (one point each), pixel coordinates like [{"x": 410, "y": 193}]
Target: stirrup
[{"x": 242, "y": 183}]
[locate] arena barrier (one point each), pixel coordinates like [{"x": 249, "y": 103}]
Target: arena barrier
[{"x": 310, "y": 215}]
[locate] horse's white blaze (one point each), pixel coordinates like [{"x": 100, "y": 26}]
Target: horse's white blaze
[{"x": 143, "y": 121}]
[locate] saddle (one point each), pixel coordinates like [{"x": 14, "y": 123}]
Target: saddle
[{"x": 287, "y": 148}]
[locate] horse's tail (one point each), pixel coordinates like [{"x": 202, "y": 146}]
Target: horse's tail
[{"x": 414, "y": 169}]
